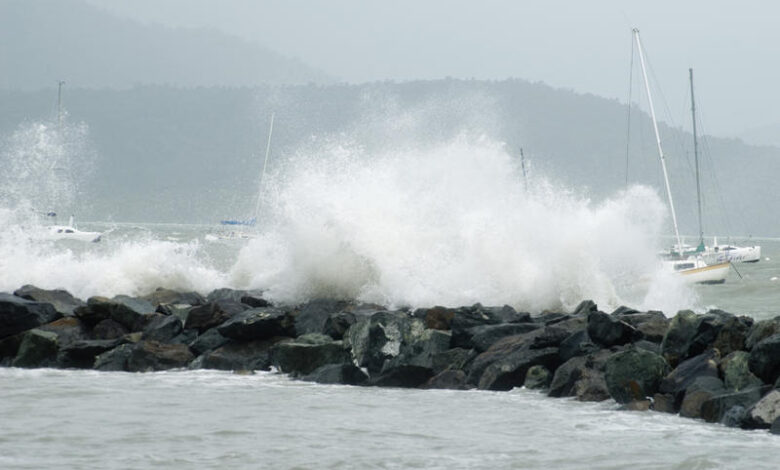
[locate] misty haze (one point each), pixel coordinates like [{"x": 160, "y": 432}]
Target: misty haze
[{"x": 510, "y": 196}]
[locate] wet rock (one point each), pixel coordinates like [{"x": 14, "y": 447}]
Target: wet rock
[
  {"x": 212, "y": 314},
  {"x": 775, "y": 428},
  {"x": 651, "y": 326},
  {"x": 152, "y": 356},
  {"x": 466, "y": 319},
  {"x": 700, "y": 391},
  {"x": 162, "y": 296},
  {"x": 764, "y": 413},
  {"x": 346, "y": 374},
  {"x": 715, "y": 409},
  {"x": 162, "y": 328},
  {"x": 761, "y": 330},
  {"x": 623, "y": 310},
  {"x": 736, "y": 373},
  {"x": 62, "y": 301},
  {"x": 677, "y": 339},
  {"x": 249, "y": 355},
  {"x": 665, "y": 403},
  {"x": 436, "y": 318},
  {"x": 67, "y": 329},
  {"x": 582, "y": 377},
  {"x": 634, "y": 374},
  {"x": 18, "y": 314},
  {"x": 501, "y": 349},
  {"x": 537, "y": 377},
  {"x": 552, "y": 336},
  {"x": 678, "y": 380},
  {"x": 258, "y": 323},
  {"x": 452, "y": 359},
  {"x": 482, "y": 337},
  {"x": 638, "y": 405},
  {"x": 337, "y": 324},
  {"x": 9, "y": 347},
  {"x": 720, "y": 330},
  {"x": 764, "y": 360},
  {"x": 312, "y": 316},
  {"x": 130, "y": 312},
  {"x": 510, "y": 371},
  {"x": 607, "y": 331},
  {"x": 234, "y": 295},
  {"x": 449, "y": 379},
  {"x": 209, "y": 340},
  {"x": 576, "y": 344},
  {"x": 734, "y": 417},
  {"x": 179, "y": 311},
  {"x": 115, "y": 359},
  {"x": 403, "y": 375},
  {"x": 109, "y": 329},
  {"x": 381, "y": 337},
  {"x": 82, "y": 354},
  {"x": 307, "y": 353},
  {"x": 585, "y": 308},
  {"x": 37, "y": 349}
]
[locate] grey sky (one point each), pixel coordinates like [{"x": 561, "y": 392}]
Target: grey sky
[{"x": 579, "y": 45}]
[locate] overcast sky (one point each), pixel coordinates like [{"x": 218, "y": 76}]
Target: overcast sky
[{"x": 580, "y": 45}]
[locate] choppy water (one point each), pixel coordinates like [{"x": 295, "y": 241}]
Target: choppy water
[{"x": 206, "y": 419}]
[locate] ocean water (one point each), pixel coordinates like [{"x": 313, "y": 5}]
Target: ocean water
[
  {"x": 450, "y": 224},
  {"x": 207, "y": 419}
]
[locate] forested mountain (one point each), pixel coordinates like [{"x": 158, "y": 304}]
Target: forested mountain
[{"x": 194, "y": 155}]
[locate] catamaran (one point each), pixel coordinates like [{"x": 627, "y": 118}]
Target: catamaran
[{"x": 692, "y": 267}]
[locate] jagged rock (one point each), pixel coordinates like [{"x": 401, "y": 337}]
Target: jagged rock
[
  {"x": 764, "y": 413},
  {"x": 654, "y": 348},
  {"x": 185, "y": 337},
  {"x": 346, "y": 374},
  {"x": 250, "y": 355},
  {"x": 109, "y": 329},
  {"x": 37, "y": 349},
  {"x": 761, "y": 330},
  {"x": 484, "y": 336},
  {"x": 651, "y": 326},
  {"x": 449, "y": 379},
  {"x": 337, "y": 324},
  {"x": 162, "y": 296},
  {"x": 151, "y": 355},
  {"x": 115, "y": 359},
  {"x": 734, "y": 417},
  {"x": 62, "y": 301},
  {"x": 179, "y": 311},
  {"x": 380, "y": 338},
  {"x": 714, "y": 410},
  {"x": 67, "y": 329},
  {"x": 700, "y": 391},
  {"x": 551, "y": 318},
  {"x": 234, "y": 295},
  {"x": 736, "y": 372},
  {"x": 678, "y": 380},
  {"x": 634, "y": 374},
  {"x": 585, "y": 308},
  {"x": 623, "y": 310},
  {"x": 436, "y": 318},
  {"x": 764, "y": 360},
  {"x": 258, "y": 323},
  {"x": 538, "y": 377},
  {"x": 720, "y": 330},
  {"x": 417, "y": 354},
  {"x": 213, "y": 313},
  {"x": 209, "y": 340},
  {"x": 466, "y": 318},
  {"x": 576, "y": 344},
  {"x": 775, "y": 428},
  {"x": 582, "y": 377},
  {"x": 307, "y": 353},
  {"x": 9, "y": 347},
  {"x": 664, "y": 403},
  {"x": 162, "y": 328},
  {"x": 452, "y": 359},
  {"x": 607, "y": 331},
  {"x": 311, "y": 317},
  {"x": 677, "y": 339},
  {"x": 498, "y": 351},
  {"x": 403, "y": 375},
  {"x": 82, "y": 354},
  {"x": 131, "y": 312},
  {"x": 18, "y": 314},
  {"x": 510, "y": 371}
]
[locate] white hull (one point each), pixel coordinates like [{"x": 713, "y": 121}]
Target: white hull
[
  {"x": 735, "y": 254},
  {"x": 65, "y": 232},
  {"x": 696, "y": 271}
]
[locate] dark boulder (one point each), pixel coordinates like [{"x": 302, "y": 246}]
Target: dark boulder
[
  {"x": 337, "y": 324},
  {"x": 720, "y": 330},
  {"x": 735, "y": 417},
  {"x": 162, "y": 328},
  {"x": 665, "y": 403},
  {"x": 678, "y": 380},
  {"x": 179, "y": 311},
  {"x": 403, "y": 376},
  {"x": 207, "y": 341},
  {"x": 582, "y": 377},
  {"x": 634, "y": 374},
  {"x": 9, "y": 347},
  {"x": 761, "y": 330},
  {"x": 465, "y": 319},
  {"x": 651, "y": 326},
  {"x": 37, "y": 349},
  {"x": 68, "y": 330},
  {"x": 152, "y": 356},
  {"x": 677, "y": 339},
  {"x": 585, "y": 308},
  {"x": 130, "y": 312},
  {"x": 576, "y": 344},
  {"x": 109, "y": 329},
  {"x": 501, "y": 349},
  {"x": 235, "y": 295},
  {"x": 484, "y": 336},
  {"x": 249, "y": 355},
  {"x": 736, "y": 373},
  {"x": 162, "y": 296},
  {"x": 381, "y": 337},
  {"x": 775, "y": 428},
  {"x": 18, "y": 314},
  {"x": 212, "y": 314},
  {"x": 312, "y": 316},
  {"x": 537, "y": 377},
  {"x": 607, "y": 331},
  {"x": 700, "y": 391},
  {"x": 449, "y": 379},
  {"x": 258, "y": 323},
  {"x": 715, "y": 409},
  {"x": 764, "y": 413},
  {"x": 307, "y": 353},
  {"x": 436, "y": 318},
  {"x": 345, "y": 374},
  {"x": 419, "y": 351},
  {"x": 115, "y": 359},
  {"x": 510, "y": 371},
  {"x": 62, "y": 301},
  {"x": 452, "y": 359},
  {"x": 81, "y": 354},
  {"x": 764, "y": 360}
]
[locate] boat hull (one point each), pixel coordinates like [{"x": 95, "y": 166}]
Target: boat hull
[
  {"x": 710, "y": 274},
  {"x": 735, "y": 254}
]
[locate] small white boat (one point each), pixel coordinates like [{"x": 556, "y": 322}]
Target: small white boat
[
  {"x": 68, "y": 232},
  {"x": 736, "y": 254},
  {"x": 695, "y": 270}
]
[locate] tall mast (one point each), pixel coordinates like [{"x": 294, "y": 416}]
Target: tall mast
[
  {"x": 696, "y": 160},
  {"x": 522, "y": 165},
  {"x": 59, "y": 105},
  {"x": 658, "y": 141},
  {"x": 265, "y": 163}
]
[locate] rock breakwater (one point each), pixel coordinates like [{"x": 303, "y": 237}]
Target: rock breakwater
[{"x": 718, "y": 367}]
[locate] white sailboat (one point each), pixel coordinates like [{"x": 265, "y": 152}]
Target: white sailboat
[
  {"x": 692, "y": 268},
  {"x": 70, "y": 232}
]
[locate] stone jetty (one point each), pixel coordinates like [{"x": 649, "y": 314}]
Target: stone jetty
[{"x": 717, "y": 367}]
